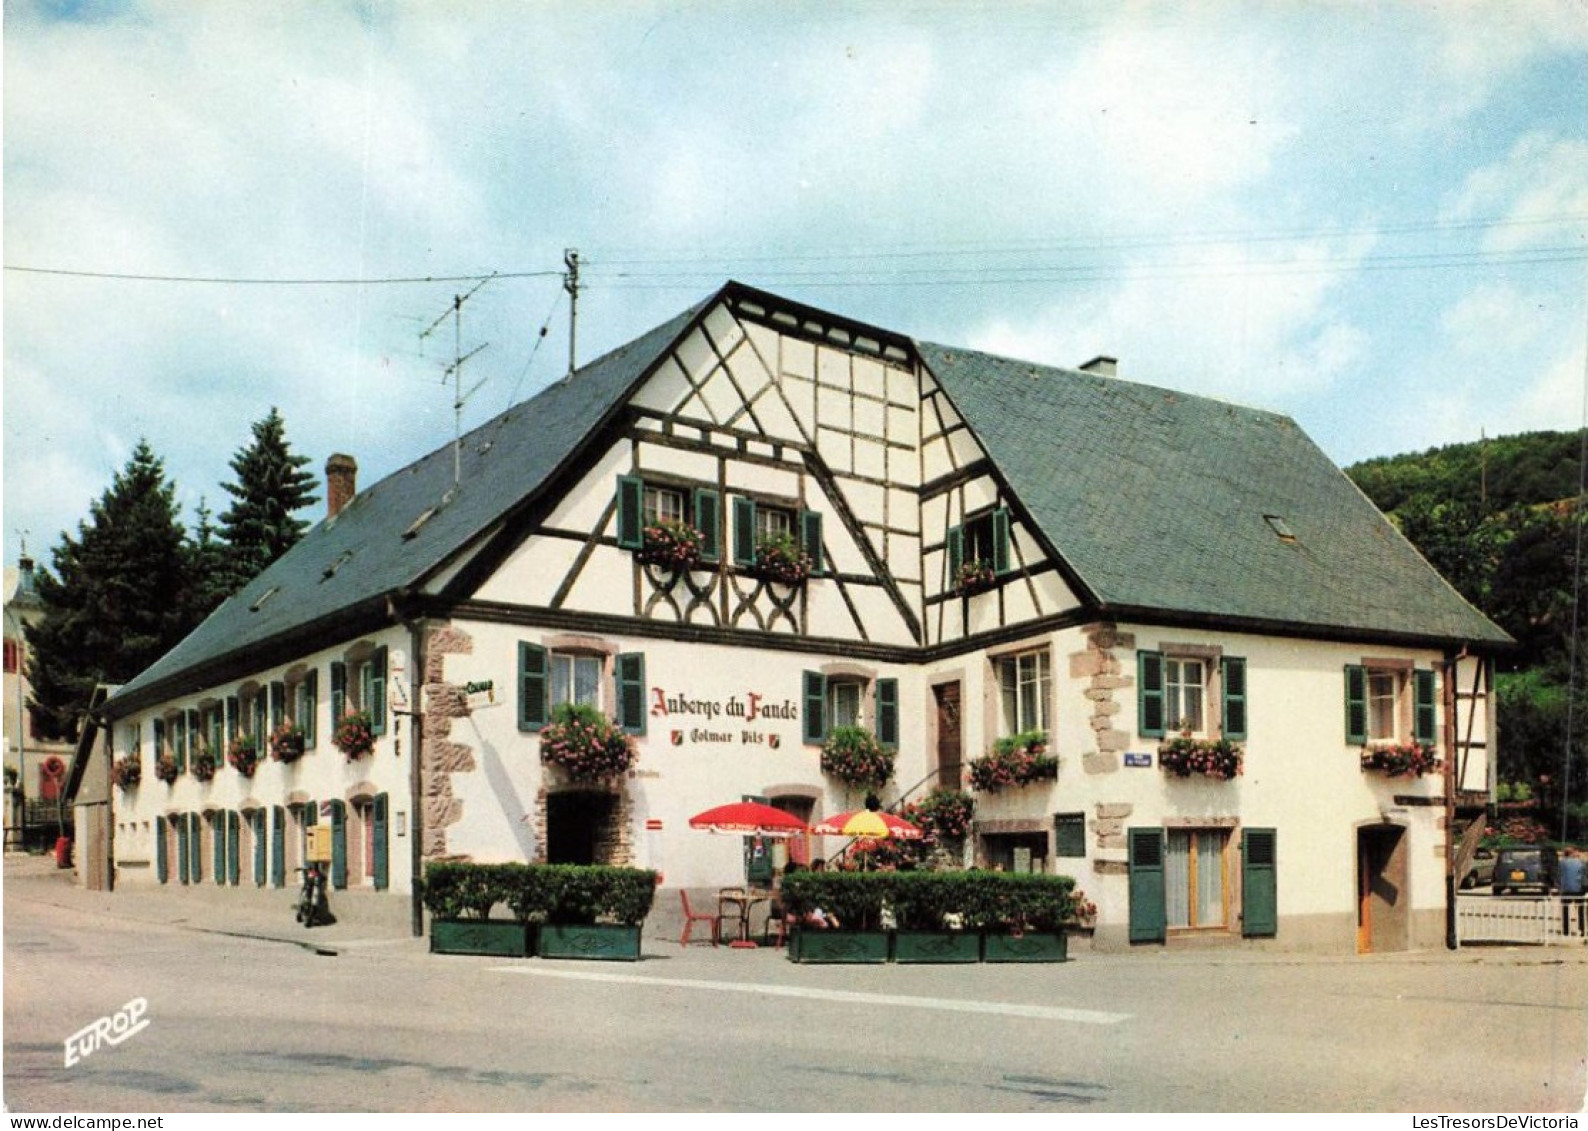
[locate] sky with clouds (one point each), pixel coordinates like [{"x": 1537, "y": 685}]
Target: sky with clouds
[{"x": 1370, "y": 216}]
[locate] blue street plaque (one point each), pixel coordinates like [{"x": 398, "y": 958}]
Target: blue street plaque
[{"x": 1138, "y": 760}]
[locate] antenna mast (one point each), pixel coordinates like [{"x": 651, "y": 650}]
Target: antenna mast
[
  {"x": 570, "y": 283},
  {"x": 455, "y": 370}
]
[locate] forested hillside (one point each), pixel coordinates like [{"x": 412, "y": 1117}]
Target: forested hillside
[{"x": 1501, "y": 520}]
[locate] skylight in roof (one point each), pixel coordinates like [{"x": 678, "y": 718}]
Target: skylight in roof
[
  {"x": 342, "y": 560},
  {"x": 424, "y": 517},
  {"x": 1280, "y": 527}
]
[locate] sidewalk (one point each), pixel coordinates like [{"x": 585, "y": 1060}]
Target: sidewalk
[
  {"x": 381, "y": 922},
  {"x": 363, "y": 919}
]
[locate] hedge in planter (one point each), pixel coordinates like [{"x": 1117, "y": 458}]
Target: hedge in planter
[{"x": 459, "y": 898}]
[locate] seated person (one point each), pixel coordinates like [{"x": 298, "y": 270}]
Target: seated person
[{"x": 822, "y": 920}]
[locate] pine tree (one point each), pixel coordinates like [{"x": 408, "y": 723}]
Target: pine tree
[
  {"x": 118, "y": 596},
  {"x": 209, "y": 566},
  {"x": 271, "y": 485}
]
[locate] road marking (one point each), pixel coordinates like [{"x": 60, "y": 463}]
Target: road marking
[{"x": 951, "y": 1005}]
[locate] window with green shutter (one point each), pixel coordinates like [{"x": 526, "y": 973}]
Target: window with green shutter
[
  {"x": 381, "y": 872},
  {"x": 814, "y": 720},
  {"x": 1423, "y": 707},
  {"x": 278, "y": 704},
  {"x": 278, "y": 847},
  {"x": 811, "y": 539},
  {"x": 1000, "y": 541},
  {"x": 162, "y": 863},
  {"x": 888, "y": 712},
  {"x": 377, "y": 700},
  {"x": 708, "y": 520},
  {"x": 308, "y": 706},
  {"x": 1259, "y": 883},
  {"x": 338, "y": 691},
  {"x": 744, "y": 531},
  {"x": 630, "y": 679},
  {"x": 256, "y": 828},
  {"x": 218, "y": 841},
  {"x": 1149, "y": 694},
  {"x": 195, "y": 857},
  {"x": 956, "y": 553},
  {"x": 1233, "y": 669},
  {"x": 338, "y": 844},
  {"x": 533, "y": 709},
  {"x": 1355, "y": 705},
  {"x": 631, "y": 513},
  {"x": 234, "y": 847}
]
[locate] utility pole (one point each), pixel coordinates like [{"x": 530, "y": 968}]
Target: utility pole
[
  {"x": 455, "y": 370},
  {"x": 570, "y": 283}
]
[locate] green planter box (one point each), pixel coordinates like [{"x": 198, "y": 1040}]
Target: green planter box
[
  {"x": 601, "y": 942},
  {"x": 496, "y": 937},
  {"x": 936, "y": 946},
  {"x": 1033, "y": 946},
  {"x": 838, "y": 946}
]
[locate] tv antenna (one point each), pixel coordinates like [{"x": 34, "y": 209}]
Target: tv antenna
[
  {"x": 454, "y": 372},
  {"x": 570, "y": 283}
]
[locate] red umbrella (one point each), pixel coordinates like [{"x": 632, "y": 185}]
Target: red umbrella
[
  {"x": 749, "y": 818},
  {"x": 873, "y": 825}
]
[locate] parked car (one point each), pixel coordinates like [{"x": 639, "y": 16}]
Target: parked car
[
  {"x": 1531, "y": 867},
  {"x": 1480, "y": 872}
]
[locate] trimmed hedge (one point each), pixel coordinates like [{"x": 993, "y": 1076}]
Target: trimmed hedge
[
  {"x": 545, "y": 893},
  {"x": 921, "y": 900}
]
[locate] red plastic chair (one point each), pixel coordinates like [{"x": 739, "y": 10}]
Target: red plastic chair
[{"x": 691, "y": 917}]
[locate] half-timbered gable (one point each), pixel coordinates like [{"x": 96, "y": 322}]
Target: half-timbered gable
[{"x": 760, "y": 527}]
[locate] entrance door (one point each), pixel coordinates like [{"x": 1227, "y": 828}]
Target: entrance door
[
  {"x": 949, "y": 744},
  {"x": 1382, "y": 898},
  {"x": 577, "y": 826}
]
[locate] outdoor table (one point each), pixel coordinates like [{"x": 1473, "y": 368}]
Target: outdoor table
[{"x": 741, "y": 901}]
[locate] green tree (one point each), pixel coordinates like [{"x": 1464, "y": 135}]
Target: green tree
[
  {"x": 271, "y": 486},
  {"x": 117, "y": 598},
  {"x": 209, "y": 566}
]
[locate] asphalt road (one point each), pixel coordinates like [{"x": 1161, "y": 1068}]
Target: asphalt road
[{"x": 238, "y": 1024}]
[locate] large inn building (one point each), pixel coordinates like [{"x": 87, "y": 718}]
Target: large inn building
[{"x": 1161, "y": 565}]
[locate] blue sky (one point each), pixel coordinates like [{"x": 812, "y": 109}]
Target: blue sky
[{"x": 1372, "y": 217}]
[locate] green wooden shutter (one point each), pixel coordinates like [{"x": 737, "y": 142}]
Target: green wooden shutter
[
  {"x": 811, "y": 538},
  {"x": 956, "y": 553},
  {"x": 888, "y": 712},
  {"x": 1000, "y": 529},
  {"x": 377, "y": 692},
  {"x": 338, "y": 692},
  {"x": 278, "y": 703},
  {"x": 1234, "y": 681},
  {"x": 256, "y": 823},
  {"x": 1259, "y": 884},
  {"x": 815, "y": 723},
  {"x": 708, "y": 520},
  {"x": 195, "y": 855},
  {"x": 630, "y": 667},
  {"x": 532, "y": 686},
  {"x": 382, "y": 862},
  {"x": 218, "y": 844},
  {"x": 159, "y": 738},
  {"x": 162, "y": 863},
  {"x": 1149, "y": 694},
  {"x": 1355, "y": 705},
  {"x": 278, "y": 847},
  {"x": 309, "y": 706},
  {"x": 1149, "y": 920},
  {"x": 743, "y": 531},
  {"x": 182, "y": 869},
  {"x": 1423, "y": 706},
  {"x": 234, "y": 721},
  {"x": 234, "y": 846},
  {"x": 1069, "y": 834},
  {"x": 338, "y": 844},
  {"x": 631, "y": 512}
]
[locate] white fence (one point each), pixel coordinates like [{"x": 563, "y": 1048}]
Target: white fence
[{"x": 1518, "y": 919}]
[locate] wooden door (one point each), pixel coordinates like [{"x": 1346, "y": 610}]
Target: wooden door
[{"x": 950, "y": 745}]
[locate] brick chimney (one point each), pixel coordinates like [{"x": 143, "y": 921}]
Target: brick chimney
[{"x": 341, "y": 483}]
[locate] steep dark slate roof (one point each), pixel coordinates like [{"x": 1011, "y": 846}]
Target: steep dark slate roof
[
  {"x": 1159, "y": 502},
  {"x": 356, "y": 559},
  {"x": 1155, "y": 500}
]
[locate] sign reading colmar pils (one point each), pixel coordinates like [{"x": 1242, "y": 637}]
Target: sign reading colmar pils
[{"x": 738, "y": 720}]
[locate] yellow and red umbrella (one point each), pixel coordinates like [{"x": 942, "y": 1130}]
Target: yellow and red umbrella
[{"x": 868, "y": 824}]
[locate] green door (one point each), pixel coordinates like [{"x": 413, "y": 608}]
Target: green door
[
  {"x": 162, "y": 864},
  {"x": 278, "y": 847},
  {"x": 382, "y": 861},
  {"x": 1148, "y": 920},
  {"x": 338, "y": 844},
  {"x": 234, "y": 845},
  {"x": 1259, "y": 884}
]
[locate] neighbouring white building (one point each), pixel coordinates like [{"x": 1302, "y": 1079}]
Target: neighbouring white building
[{"x": 1157, "y": 566}]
